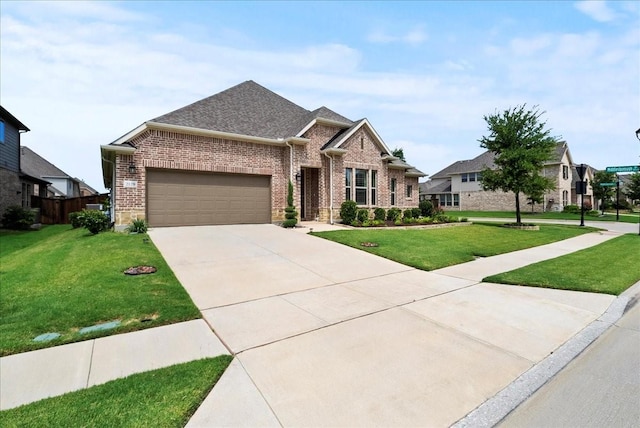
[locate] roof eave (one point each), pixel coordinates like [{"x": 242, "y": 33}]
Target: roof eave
[
  {"x": 216, "y": 134},
  {"x": 323, "y": 122}
]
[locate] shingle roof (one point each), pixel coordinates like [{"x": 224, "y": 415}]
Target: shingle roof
[
  {"x": 442, "y": 187},
  {"x": 35, "y": 165},
  {"x": 4, "y": 113},
  {"x": 246, "y": 109},
  {"x": 486, "y": 160}
]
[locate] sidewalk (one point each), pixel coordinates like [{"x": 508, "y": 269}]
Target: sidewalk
[{"x": 237, "y": 400}]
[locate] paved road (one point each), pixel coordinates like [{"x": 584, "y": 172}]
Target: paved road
[{"x": 600, "y": 388}]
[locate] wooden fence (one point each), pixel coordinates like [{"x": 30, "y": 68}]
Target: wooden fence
[{"x": 56, "y": 211}]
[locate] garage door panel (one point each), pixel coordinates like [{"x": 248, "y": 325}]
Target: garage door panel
[{"x": 183, "y": 198}]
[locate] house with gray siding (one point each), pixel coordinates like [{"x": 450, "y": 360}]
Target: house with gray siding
[{"x": 11, "y": 185}]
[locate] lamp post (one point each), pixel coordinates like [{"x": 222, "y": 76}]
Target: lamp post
[{"x": 638, "y": 137}]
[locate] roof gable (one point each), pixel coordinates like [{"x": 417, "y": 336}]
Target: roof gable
[
  {"x": 4, "y": 114},
  {"x": 341, "y": 137}
]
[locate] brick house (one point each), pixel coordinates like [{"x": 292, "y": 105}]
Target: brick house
[
  {"x": 228, "y": 159},
  {"x": 457, "y": 187}
]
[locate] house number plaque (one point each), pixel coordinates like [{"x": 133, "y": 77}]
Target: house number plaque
[{"x": 130, "y": 183}]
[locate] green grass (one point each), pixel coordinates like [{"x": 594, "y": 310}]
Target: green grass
[
  {"x": 610, "y": 268},
  {"x": 165, "y": 397},
  {"x": 624, "y": 217},
  {"x": 60, "y": 280},
  {"x": 430, "y": 249}
]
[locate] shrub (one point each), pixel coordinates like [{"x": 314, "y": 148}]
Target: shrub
[
  {"x": 290, "y": 213},
  {"x": 408, "y": 213},
  {"x": 289, "y": 223},
  {"x": 137, "y": 226},
  {"x": 393, "y": 214},
  {"x": 379, "y": 214},
  {"x": 75, "y": 218},
  {"x": 571, "y": 209},
  {"x": 362, "y": 215},
  {"x": 588, "y": 206},
  {"x": 417, "y": 212},
  {"x": 622, "y": 204},
  {"x": 441, "y": 217},
  {"x": 398, "y": 222},
  {"x": 593, "y": 213},
  {"x": 348, "y": 211},
  {"x": 94, "y": 221},
  {"x": 426, "y": 208},
  {"x": 17, "y": 218}
]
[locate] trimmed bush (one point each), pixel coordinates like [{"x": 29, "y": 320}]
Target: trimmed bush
[
  {"x": 289, "y": 223},
  {"x": 94, "y": 221},
  {"x": 362, "y": 215},
  {"x": 426, "y": 208},
  {"x": 379, "y": 214},
  {"x": 417, "y": 212},
  {"x": 571, "y": 209},
  {"x": 348, "y": 211},
  {"x": 290, "y": 213},
  {"x": 408, "y": 213},
  {"x": 394, "y": 214},
  {"x": 17, "y": 218},
  {"x": 75, "y": 218}
]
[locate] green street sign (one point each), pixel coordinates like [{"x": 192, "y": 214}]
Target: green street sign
[
  {"x": 608, "y": 184},
  {"x": 630, "y": 168}
]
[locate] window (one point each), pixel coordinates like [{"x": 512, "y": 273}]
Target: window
[
  {"x": 1, "y": 131},
  {"x": 465, "y": 178},
  {"x": 393, "y": 191},
  {"x": 347, "y": 184},
  {"x": 361, "y": 186},
  {"x": 472, "y": 176},
  {"x": 409, "y": 190},
  {"x": 374, "y": 185},
  {"x": 448, "y": 200},
  {"x": 358, "y": 188},
  {"x": 479, "y": 176},
  {"x": 361, "y": 143},
  {"x": 565, "y": 198},
  {"x": 565, "y": 172}
]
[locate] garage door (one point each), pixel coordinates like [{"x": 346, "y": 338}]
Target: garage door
[{"x": 180, "y": 198}]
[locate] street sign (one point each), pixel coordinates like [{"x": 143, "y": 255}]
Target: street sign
[
  {"x": 629, "y": 168},
  {"x": 608, "y": 184}
]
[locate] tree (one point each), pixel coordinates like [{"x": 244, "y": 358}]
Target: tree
[
  {"x": 521, "y": 145},
  {"x": 399, "y": 153},
  {"x": 604, "y": 194},
  {"x": 633, "y": 187}
]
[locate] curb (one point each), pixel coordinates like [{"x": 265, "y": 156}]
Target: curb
[{"x": 495, "y": 409}]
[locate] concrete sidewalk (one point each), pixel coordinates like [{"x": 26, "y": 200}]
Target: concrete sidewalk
[{"x": 365, "y": 341}]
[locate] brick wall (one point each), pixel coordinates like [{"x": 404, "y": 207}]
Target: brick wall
[{"x": 9, "y": 187}]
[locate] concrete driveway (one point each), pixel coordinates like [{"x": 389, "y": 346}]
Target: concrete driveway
[{"x": 326, "y": 335}]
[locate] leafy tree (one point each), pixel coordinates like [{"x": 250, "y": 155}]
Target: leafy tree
[
  {"x": 633, "y": 187},
  {"x": 521, "y": 145},
  {"x": 604, "y": 194},
  {"x": 399, "y": 153}
]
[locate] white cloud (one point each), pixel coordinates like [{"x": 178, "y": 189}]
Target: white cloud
[
  {"x": 415, "y": 36},
  {"x": 596, "y": 9}
]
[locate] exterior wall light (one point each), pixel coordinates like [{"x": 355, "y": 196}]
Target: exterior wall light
[{"x": 132, "y": 168}]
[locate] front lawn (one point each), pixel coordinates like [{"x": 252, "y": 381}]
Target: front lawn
[
  {"x": 529, "y": 216},
  {"x": 60, "y": 280},
  {"x": 610, "y": 268},
  {"x": 165, "y": 397},
  {"x": 430, "y": 249}
]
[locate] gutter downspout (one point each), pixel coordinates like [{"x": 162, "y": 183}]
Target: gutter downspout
[{"x": 330, "y": 187}]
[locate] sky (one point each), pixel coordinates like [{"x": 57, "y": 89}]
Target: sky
[{"x": 425, "y": 74}]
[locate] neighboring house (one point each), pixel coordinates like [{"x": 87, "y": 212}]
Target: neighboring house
[
  {"x": 85, "y": 189},
  {"x": 458, "y": 185},
  {"x": 228, "y": 159},
  {"x": 13, "y": 183},
  {"x": 576, "y": 199},
  {"x": 61, "y": 184}
]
